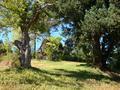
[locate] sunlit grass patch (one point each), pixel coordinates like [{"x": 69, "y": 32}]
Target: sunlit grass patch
[{"x": 61, "y": 75}]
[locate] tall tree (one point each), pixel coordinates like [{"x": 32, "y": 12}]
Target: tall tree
[
  {"x": 23, "y": 14},
  {"x": 97, "y": 21},
  {"x": 89, "y": 18}
]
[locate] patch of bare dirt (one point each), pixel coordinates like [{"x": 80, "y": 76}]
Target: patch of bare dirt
[{"x": 6, "y": 63}]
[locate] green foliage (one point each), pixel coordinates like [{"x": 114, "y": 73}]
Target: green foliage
[
  {"x": 71, "y": 10},
  {"x": 10, "y": 11},
  {"x": 94, "y": 20},
  {"x": 99, "y": 20},
  {"x": 2, "y": 49},
  {"x": 5, "y": 48},
  {"x": 115, "y": 2},
  {"x": 15, "y": 12},
  {"x": 52, "y": 48},
  {"x": 16, "y": 34}
]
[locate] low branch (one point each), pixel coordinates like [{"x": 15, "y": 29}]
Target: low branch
[{"x": 18, "y": 44}]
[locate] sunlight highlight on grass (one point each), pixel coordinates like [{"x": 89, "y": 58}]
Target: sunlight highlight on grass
[{"x": 61, "y": 75}]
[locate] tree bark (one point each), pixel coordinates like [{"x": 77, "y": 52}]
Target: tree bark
[
  {"x": 97, "y": 55},
  {"x": 26, "y": 54},
  {"x": 25, "y": 49}
]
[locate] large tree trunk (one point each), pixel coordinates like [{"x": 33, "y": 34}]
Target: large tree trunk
[
  {"x": 25, "y": 49},
  {"x": 97, "y": 54},
  {"x": 97, "y": 59},
  {"x": 100, "y": 57}
]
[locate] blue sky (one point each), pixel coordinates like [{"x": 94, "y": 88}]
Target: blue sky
[
  {"x": 54, "y": 31},
  {"x": 4, "y": 36}
]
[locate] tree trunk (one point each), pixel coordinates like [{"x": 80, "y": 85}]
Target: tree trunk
[
  {"x": 97, "y": 55},
  {"x": 25, "y": 49}
]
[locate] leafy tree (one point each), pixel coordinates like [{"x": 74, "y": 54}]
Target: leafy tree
[
  {"x": 23, "y": 14},
  {"x": 97, "y": 21},
  {"x": 90, "y": 18}
]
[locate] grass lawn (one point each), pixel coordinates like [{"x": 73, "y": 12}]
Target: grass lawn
[{"x": 62, "y": 75}]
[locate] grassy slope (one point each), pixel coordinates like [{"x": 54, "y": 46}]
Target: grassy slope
[{"x": 48, "y": 75}]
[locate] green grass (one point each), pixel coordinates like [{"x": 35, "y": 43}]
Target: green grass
[{"x": 62, "y": 75}]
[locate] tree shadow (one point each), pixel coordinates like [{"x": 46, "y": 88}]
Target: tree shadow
[
  {"x": 47, "y": 75},
  {"x": 40, "y": 77},
  {"x": 115, "y": 75},
  {"x": 84, "y": 75},
  {"x": 79, "y": 75},
  {"x": 85, "y": 65}
]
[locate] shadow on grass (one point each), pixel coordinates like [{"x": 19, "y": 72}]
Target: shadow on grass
[
  {"x": 79, "y": 75},
  {"x": 85, "y": 65},
  {"x": 84, "y": 75},
  {"x": 39, "y": 77},
  {"x": 115, "y": 75}
]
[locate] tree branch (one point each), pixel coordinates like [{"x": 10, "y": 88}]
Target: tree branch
[{"x": 37, "y": 11}]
